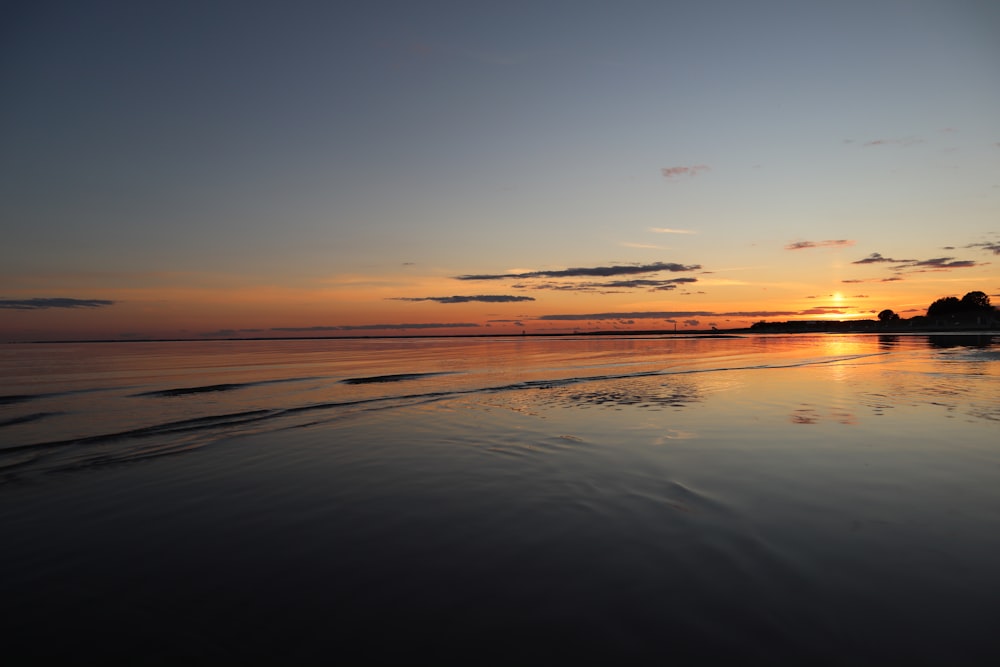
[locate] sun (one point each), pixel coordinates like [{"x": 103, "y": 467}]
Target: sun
[{"x": 838, "y": 297}]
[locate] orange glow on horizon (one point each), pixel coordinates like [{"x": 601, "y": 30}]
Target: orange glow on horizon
[{"x": 394, "y": 307}]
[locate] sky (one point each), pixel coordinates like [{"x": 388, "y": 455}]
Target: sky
[{"x": 245, "y": 169}]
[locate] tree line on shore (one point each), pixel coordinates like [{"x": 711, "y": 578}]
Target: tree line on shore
[{"x": 972, "y": 311}]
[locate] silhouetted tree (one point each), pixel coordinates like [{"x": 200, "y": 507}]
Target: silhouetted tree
[
  {"x": 976, "y": 301},
  {"x": 887, "y": 316},
  {"x": 944, "y": 308}
]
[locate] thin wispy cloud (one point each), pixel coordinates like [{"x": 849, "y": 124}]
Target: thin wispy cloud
[
  {"x": 595, "y": 271},
  {"x": 902, "y": 267},
  {"x": 58, "y": 302},
  {"x": 903, "y": 141},
  {"x": 670, "y": 230},
  {"x": 668, "y": 284},
  {"x": 944, "y": 263},
  {"x": 482, "y": 298},
  {"x": 991, "y": 246},
  {"x": 877, "y": 258},
  {"x": 642, "y": 246},
  {"x": 933, "y": 264},
  {"x": 834, "y": 296},
  {"x": 832, "y": 243},
  {"x": 671, "y": 173},
  {"x": 609, "y": 287}
]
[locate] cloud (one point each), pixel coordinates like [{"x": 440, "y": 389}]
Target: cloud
[
  {"x": 905, "y": 141},
  {"x": 913, "y": 265},
  {"x": 58, "y": 302},
  {"x": 484, "y": 298},
  {"x": 598, "y": 271},
  {"x": 942, "y": 263},
  {"x": 936, "y": 263},
  {"x": 834, "y": 243},
  {"x": 992, "y": 246},
  {"x": 668, "y": 230},
  {"x": 640, "y": 283},
  {"x": 876, "y": 258},
  {"x": 834, "y": 296},
  {"x": 674, "y": 172},
  {"x": 644, "y": 246},
  {"x": 376, "y": 327},
  {"x": 668, "y": 284}
]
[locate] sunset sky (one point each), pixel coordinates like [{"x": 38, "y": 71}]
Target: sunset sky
[{"x": 206, "y": 169}]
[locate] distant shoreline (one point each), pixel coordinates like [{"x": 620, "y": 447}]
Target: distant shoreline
[{"x": 782, "y": 328}]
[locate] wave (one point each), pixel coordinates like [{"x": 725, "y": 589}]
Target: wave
[
  {"x": 188, "y": 434},
  {"x": 35, "y": 416},
  {"x": 13, "y": 399},
  {"x": 18, "y": 398},
  {"x": 229, "y": 386},
  {"x": 398, "y": 377}
]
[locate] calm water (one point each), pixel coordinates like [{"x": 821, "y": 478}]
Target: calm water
[{"x": 811, "y": 499}]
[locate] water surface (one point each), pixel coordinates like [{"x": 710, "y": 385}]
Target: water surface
[{"x": 820, "y": 499}]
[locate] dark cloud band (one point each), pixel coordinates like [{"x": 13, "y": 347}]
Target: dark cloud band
[
  {"x": 934, "y": 263},
  {"x": 993, "y": 247},
  {"x": 592, "y": 272},
  {"x": 43, "y": 303}
]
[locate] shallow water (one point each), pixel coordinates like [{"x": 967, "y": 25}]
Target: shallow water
[{"x": 818, "y": 499}]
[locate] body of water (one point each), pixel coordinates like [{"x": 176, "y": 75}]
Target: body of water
[{"x": 816, "y": 499}]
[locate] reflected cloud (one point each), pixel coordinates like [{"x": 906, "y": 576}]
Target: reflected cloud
[
  {"x": 635, "y": 393},
  {"x": 808, "y": 415}
]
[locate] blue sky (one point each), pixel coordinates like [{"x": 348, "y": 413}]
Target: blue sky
[{"x": 217, "y": 166}]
